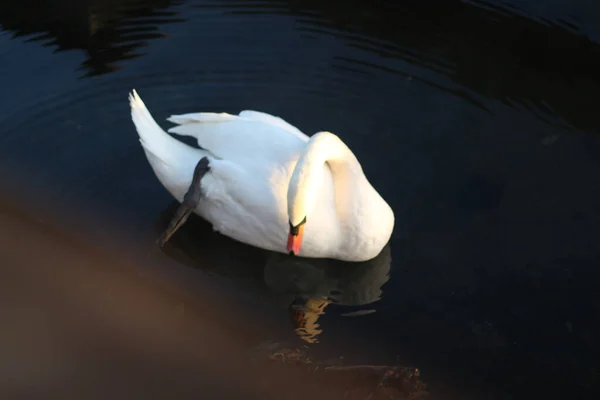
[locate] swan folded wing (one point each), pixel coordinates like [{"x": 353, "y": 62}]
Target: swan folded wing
[
  {"x": 236, "y": 138},
  {"x": 183, "y": 119},
  {"x": 245, "y": 114},
  {"x": 273, "y": 120}
]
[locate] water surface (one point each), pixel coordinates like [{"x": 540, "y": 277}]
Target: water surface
[{"x": 476, "y": 120}]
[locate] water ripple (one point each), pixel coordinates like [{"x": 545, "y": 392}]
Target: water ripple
[
  {"x": 462, "y": 114},
  {"x": 107, "y": 32}
]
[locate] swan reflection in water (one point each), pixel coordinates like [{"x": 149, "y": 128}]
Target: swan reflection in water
[
  {"x": 312, "y": 284},
  {"x": 306, "y": 286}
]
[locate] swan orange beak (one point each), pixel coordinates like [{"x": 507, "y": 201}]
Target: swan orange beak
[{"x": 295, "y": 240}]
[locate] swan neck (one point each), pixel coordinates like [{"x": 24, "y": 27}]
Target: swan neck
[
  {"x": 323, "y": 150},
  {"x": 325, "y": 147}
]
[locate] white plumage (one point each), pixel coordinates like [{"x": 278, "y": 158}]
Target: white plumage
[{"x": 265, "y": 173}]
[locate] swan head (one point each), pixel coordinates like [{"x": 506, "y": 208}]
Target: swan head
[
  {"x": 295, "y": 237},
  {"x": 302, "y": 196},
  {"x": 301, "y": 200}
]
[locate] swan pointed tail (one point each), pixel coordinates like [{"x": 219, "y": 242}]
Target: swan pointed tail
[
  {"x": 173, "y": 161},
  {"x": 152, "y": 137}
]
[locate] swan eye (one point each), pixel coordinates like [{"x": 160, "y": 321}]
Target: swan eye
[{"x": 294, "y": 230}]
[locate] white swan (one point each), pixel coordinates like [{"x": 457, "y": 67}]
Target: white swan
[{"x": 260, "y": 181}]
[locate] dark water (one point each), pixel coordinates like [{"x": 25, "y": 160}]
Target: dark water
[{"x": 478, "y": 121}]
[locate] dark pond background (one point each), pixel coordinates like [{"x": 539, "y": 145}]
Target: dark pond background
[{"x": 478, "y": 121}]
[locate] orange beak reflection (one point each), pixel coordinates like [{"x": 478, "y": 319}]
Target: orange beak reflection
[{"x": 295, "y": 241}]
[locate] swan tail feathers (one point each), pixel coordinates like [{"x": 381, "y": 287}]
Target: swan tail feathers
[{"x": 152, "y": 137}]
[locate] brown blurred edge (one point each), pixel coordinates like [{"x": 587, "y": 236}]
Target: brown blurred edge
[{"x": 79, "y": 322}]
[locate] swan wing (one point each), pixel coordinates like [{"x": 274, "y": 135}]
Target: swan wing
[
  {"x": 249, "y": 135},
  {"x": 273, "y": 120},
  {"x": 249, "y": 114}
]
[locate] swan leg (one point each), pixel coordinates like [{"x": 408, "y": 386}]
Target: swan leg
[{"x": 189, "y": 204}]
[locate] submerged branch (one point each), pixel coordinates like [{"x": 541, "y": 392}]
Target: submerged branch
[{"x": 360, "y": 381}]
